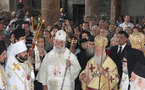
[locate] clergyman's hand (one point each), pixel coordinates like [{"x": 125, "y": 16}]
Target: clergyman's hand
[
  {"x": 85, "y": 78},
  {"x": 68, "y": 63},
  {"x": 101, "y": 69}
]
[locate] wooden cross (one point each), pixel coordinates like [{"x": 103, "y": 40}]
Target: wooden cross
[
  {"x": 111, "y": 79},
  {"x": 91, "y": 68},
  {"x": 16, "y": 66}
]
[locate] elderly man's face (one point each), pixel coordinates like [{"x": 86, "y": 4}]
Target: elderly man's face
[
  {"x": 98, "y": 50},
  {"x": 104, "y": 32},
  {"x": 59, "y": 44},
  {"x": 137, "y": 82}
]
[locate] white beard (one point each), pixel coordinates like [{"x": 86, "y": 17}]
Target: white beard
[
  {"x": 134, "y": 86},
  {"x": 125, "y": 70},
  {"x": 59, "y": 51},
  {"x": 90, "y": 51},
  {"x": 98, "y": 59}
]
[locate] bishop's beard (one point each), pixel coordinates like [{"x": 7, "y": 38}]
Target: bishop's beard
[
  {"x": 99, "y": 59},
  {"x": 90, "y": 51},
  {"x": 125, "y": 70},
  {"x": 134, "y": 86},
  {"x": 59, "y": 50}
]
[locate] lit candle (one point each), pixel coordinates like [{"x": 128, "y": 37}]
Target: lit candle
[
  {"x": 37, "y": 29},
  {"x": 32, "y": 25},
  {"x": 40, "y": 28}
]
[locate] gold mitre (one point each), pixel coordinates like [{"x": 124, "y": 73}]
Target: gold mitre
[
  {"x": 137, "y": 40},
  {"x": 100, "y": 41}
]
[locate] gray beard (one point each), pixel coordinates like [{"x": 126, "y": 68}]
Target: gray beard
[
  {"x": 99, "y": 59},
  {"x": 59, "y": 51},
  {"x": 134, "y": 86},
  {"x": 125, "y": 70},
  {"x": 90, "y": 51}
]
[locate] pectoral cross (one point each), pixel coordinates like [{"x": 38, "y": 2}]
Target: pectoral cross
[{"x": 16, "y": 66}]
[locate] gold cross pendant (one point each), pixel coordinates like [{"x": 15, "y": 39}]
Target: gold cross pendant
[{"x": 16, "y": 66}]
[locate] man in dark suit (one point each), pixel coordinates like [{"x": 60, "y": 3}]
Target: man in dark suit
[{"x": 117, "y": 52}]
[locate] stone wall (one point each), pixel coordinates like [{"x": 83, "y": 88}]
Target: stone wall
[
  {"x": 133, "y": 7},
  {"x": 70, "y": 6},
  {"x": 4, "y": 5}
]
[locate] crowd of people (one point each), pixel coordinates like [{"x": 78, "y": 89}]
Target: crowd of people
[{"x": 89, "y": 56}]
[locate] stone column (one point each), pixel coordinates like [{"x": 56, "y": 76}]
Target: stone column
[
  {"x": 4, "y": 5},
  {"x": 50, "y": 11},
  {"x": 25, "y": 4},
  {"x": 115, "y": 11},
  {"x": 92, "y": 8}
]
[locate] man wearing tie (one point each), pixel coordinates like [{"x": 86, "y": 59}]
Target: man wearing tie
[{"x": 117, "y": 52}]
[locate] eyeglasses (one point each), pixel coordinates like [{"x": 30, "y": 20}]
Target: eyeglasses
[{"x": 123, "y": 61}]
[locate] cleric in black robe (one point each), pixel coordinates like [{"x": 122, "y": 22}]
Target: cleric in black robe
[
  {"x": 133, "y": 56},
  {"x": 83, "y": 57}
]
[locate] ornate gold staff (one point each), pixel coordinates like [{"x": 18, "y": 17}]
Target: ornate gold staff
[
  {"x": 72, "y": 41},
  {"x": 101, "y": 63}
]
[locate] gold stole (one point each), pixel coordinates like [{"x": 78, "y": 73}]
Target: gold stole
[{"x": 2, "y": 76}]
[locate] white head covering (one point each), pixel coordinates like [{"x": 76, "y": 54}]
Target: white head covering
[
  {"x": 60, "y": 35},
  {"x": 15, "y": 49},
  {"x": 19, "y": 47}
]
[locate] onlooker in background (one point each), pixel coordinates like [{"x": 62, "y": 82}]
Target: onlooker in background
[
  {"x": 27, "y": 15},
  {"x": 54, "y": 30},
  {"x": 91, "y": 24},
  {"x": 113, "y": 42},
  {"x": 85, "y": 26},
  {"x": 119, "y": 21},
  {"x": 28, "y": 34},
  {"x": 95, "y": 31},
  {"x": 118, "y": 29},
  {"x": 128, "y": 30},
  {"x": 48, "y": 41},
  {"x": 12, "y": 25},
  {"x": 1, "y": 31},
  {"x": 84, "y": 34},
  {"x": 102, "y": 24},
  {"x": 126, "y": 23},
  {"x": 111, "y": 31}
]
